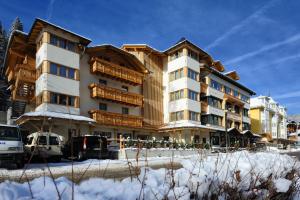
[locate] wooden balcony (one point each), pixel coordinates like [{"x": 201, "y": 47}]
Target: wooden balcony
[
  {"x": 234, "y": 116},
  {"x": 114, "y": 71},
  {"x": 203, "y": 107},
  {"x": 116, "y": 95},
  {"x": 22, "y": 72},
  {"x": 203, "y": 87},
  {"x": 22, "y": 82},
  {"x": 116, "y": 119}
]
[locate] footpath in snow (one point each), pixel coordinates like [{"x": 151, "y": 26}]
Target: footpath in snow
[{"x": 239, "y": 175}]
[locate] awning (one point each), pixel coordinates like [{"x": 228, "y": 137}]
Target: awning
[{"x": 42, "y": 114}]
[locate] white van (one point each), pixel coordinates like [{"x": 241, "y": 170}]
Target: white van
[
  {"x": 46, "y": 145},
  {"x": 11, "y": 146}
]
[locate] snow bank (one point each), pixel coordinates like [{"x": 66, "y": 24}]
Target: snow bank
[{"x": 239, "y": 173}]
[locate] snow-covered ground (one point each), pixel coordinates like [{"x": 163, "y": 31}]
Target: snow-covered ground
[{"x": 241, "y": 174}]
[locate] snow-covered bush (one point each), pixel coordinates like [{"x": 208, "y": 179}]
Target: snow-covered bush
[{"x": 239, "y": 175}]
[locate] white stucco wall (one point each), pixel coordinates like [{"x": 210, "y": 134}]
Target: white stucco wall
[
  {"x": 184, "y": 104},
  {"x": 57, "y": 55},
  {"x": 183, "y": 61},
  {"x": 58, "y": 108},
  {"x": 53, "y": 83},
  {"x": 215, "y": 111},
  {"x": 182, "y": 83}
]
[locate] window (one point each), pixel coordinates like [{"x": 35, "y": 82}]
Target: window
[
  {"x": 194, "y": 116},
  {"x": 53, "y": 68},
  {"x": 246, "y": 126},
  {"x": 103, "y": 82},
  {"x": 177, "y": 54},
  {"x": 193, "y": 75},
  {"x": 125, "y": 111},
  {"x": 211, "y": 119},
  {"x": 71, "y": 73},
  {"x": 245, "y": 112},
  {"x": 103, "y": 106},
  {"x": 62, "y": 43},
  {"x": 236, "y": 93},
  {"x": 54, "y": 98},
  {"x": 245, "y": 98},
  {"x": 63, "y": 99},
  {"x": 176, "y": 74},
  {"x": 237, "y": 109},
  {"x": 53, "y": 140},
  {"x": 125, "y": 88},
  {"x": 193, "y": 95},
  {"x": 70, "y": 46},
  {"x": 192, "y": 54},
  {"x": 227, "y": 90},
  {"x": 229, "y": 107},
  {"x": 53, "y": 40},
  {"x": 175, "y": 116},
  {"x": 62, "y": 71},
  {"x": 42, "y": 140},
  {"x": 215, "y": 102},
  {"x": 216, "y": 85},
  {"x": 176, "y": 95},
  {"x": 71, "y": 101}
]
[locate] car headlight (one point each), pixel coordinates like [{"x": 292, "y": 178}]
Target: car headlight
[{"x": 15, "y": 148}]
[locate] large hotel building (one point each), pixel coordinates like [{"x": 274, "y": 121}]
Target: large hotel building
[{"x": 61, "y": 84}]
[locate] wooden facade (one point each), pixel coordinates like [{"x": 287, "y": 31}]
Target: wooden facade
[
  {"x": 114, "y": 71},
  {"x": 116, "y": 95},
  {"x": 116, "y": 119},
  {"x": 152, "y": 85}
]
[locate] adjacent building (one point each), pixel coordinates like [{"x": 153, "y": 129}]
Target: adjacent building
[
  {"x": 268, "y": 118},
  {"x": 59, "y": 83}
]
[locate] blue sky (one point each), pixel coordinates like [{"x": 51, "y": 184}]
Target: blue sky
[{"x": 259, "y": 39}]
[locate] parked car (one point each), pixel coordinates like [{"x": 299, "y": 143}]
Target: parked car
[
  {"x": 11, "y": 146},
  {"x": 46, "y": 145},
  {"x": 86, "y": 147}
]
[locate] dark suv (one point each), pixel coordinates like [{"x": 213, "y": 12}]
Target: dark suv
[{"x": 86, "y": 147}]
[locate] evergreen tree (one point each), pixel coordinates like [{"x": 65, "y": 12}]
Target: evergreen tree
[
  {"x": 16, "y": 25},
  {"x": 3, "y": 44}
]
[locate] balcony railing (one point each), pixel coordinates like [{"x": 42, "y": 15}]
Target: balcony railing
[
  {"x": 234, "y": 116},
  {"x": 23, "y": 72},
  {"x": 115, "y": 71},
  {"x": 204, "y": 106},
  {"x": 116, "y": 119},
  {"x": 116, "y": 95}
]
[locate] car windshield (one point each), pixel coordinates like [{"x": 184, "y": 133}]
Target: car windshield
[
  {"x": 9, "y": 133},
  {"x": 93, "y": 142}
]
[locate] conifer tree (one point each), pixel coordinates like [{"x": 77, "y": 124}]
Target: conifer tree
[{"x": 16, "y": 25}]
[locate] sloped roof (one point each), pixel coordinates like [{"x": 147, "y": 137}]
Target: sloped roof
[
  {"x": 39, "y": 24},
  {"x": 135, "y": 60}
]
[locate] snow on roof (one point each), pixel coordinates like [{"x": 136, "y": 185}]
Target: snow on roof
[
  {"x": 143, "y": 45},
  {"x": 57, "y": 115},
  {"x": 190, "y": 125},
  {"x": 45, "y": 21}
]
